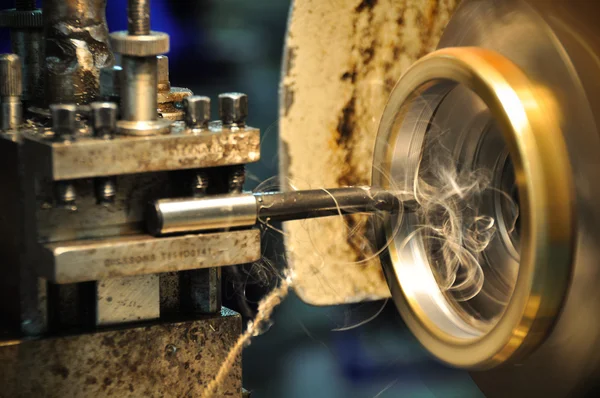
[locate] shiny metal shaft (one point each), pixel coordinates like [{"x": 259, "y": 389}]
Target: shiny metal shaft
[
  {"x": 11, "y": 113},
  {"x": 11, "y": 88},
  {"x": 246, "y": 209},
  {"x": 139, "y": 90}
]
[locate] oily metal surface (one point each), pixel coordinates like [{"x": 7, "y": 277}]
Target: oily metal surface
[
  {"x": 342, "y": 59},
  {"x": 93, "y": 157},
  {"x": 96, "y": 259},
  {"x": 165, "y": 360},
  {"x": 557, "y": 45}
]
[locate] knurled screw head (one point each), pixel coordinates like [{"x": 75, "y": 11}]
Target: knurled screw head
[
  {"x": 64, "y": 120},
  {"x": 233, "y": 108},
  {"x": 197, "y": 111},
  {"x": 104, "y": 118},
  {"x": 11, "y": 82}
]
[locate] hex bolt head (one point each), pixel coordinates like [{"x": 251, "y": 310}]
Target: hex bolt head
[
  {"x": 197, "y": 111},
  {"x": 64, "y": 120},
  {"x": 233, "y": 108},
  {"x": 104, "y": 118}
]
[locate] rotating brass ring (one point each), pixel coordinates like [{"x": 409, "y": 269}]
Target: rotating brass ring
[{"x": 531, "y": 130}]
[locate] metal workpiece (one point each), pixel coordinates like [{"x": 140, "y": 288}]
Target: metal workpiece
[
  {"x": 90, "y": 157},
  {"x": 11, "y": 88},
  {"x": 233, "y": 108},
  {"x": 127, "y": 299},
  {"x": 119, "y": 256},
  {"x": 110, "y": 82},
  {"x": 169, "y": 98},
  {"x": 104, "y": 119},
  {"x": 197, "y": 111},
  {"x": 125, "y": 361},
  {"x": 76, "y": 48},
  {"x": 168, "y": 216}
]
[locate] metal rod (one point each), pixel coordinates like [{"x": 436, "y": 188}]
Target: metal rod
[{"x": 167, "y": 216}]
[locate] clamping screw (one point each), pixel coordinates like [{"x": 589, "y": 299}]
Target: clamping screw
[
  {"x": 233, "y": 108},
  {"x": 64, "y": 121},
  {"x": 104, "y": 119},
  {"x": 197, "y": 111}
]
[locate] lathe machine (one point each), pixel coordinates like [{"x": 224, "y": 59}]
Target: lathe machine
[{"x": 121, "y": 200}]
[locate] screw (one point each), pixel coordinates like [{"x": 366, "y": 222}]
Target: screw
[
  {"x": 233, "y": 108},
  {"x": 11, "y": 88},
  {"x": 237, "y": 177},
  {"x": 200, "y": 184},
  {"x": 104, "y": 123},
  {"x": 64, "y": 121},
  {"x": 197, "y": 111},
  {"x": 64, "y": 124},
  {"x": 106, "y": 190},
  {"x": 138, "y": 17},
  {"x": 104, "y": 119},
  {"x": 65, "y": 195}
]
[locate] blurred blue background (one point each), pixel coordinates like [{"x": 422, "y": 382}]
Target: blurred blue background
[{"x": 236, "y": 45}]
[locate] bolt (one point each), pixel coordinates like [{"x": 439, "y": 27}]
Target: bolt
[
  {"x": 65, "y": 195},
  {"x": 64, "y": 124},
  {"x": 104, "y": 119},
  {"x": 197, "y": 111},
  {"x": 138, "y": 17},
  {"x": 106, "y": 190},
  {"x": 233, "y": 108},
  {"x": 64, "y": 121},
  {"x": 11, "y": 88},
  {"x": 237, "y": 177},
  {"x": 200, "y": 184}
]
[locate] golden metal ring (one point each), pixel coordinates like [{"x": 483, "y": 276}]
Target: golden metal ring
[{"x": 531, "y": 130}]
